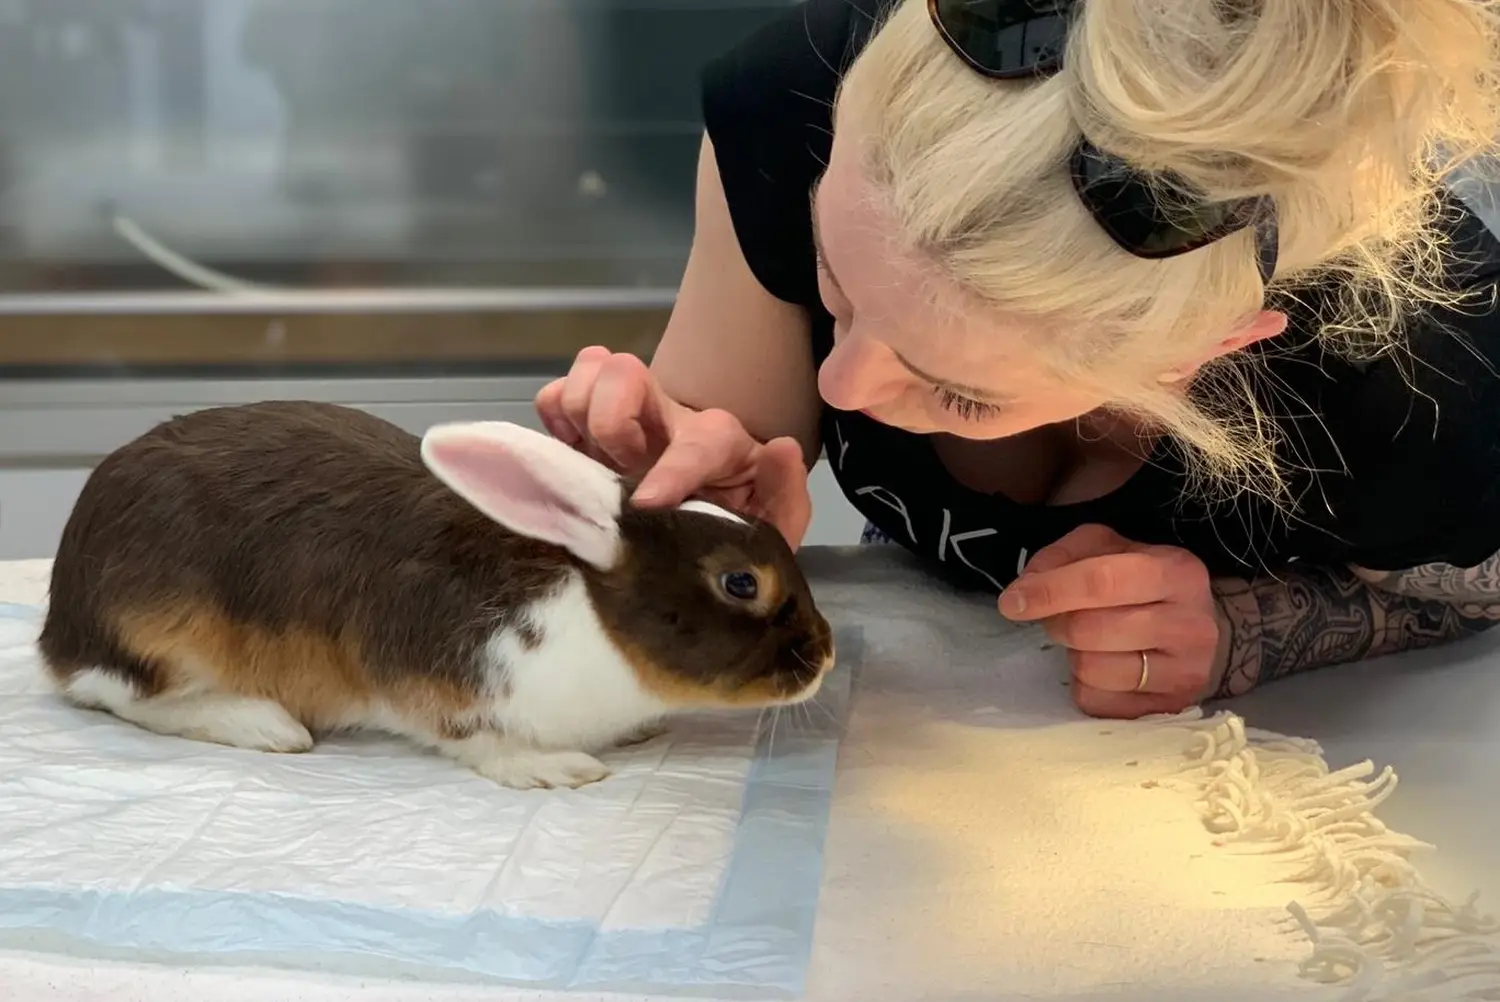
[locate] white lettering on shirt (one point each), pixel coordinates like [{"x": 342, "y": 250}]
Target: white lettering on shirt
[
  {"x": 838, "y": 433},
  {"x": 951, "y": 540},
  {"x": 892, "y": 502}
]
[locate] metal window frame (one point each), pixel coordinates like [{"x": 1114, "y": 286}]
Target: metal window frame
[
  {"x": 273, "y": 301},
  {"x": 75, "y": 422}
]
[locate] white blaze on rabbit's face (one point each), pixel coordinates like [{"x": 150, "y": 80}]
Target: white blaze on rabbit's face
[
  {"x": 709, "y": 508},
  {"x": 574, "y": 689}
]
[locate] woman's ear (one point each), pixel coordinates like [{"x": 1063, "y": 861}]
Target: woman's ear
[{"x": 1267, "y": 324}]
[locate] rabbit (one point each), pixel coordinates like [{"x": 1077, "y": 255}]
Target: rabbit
[{"x": 256, "y": 575}]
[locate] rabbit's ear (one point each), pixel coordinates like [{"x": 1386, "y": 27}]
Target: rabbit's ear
[{"x": 531, "y": 484}]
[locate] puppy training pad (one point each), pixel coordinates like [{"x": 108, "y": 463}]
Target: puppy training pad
[{"x": 693, "y": 870}]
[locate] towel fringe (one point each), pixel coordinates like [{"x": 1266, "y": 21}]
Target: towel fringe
[{"x": 1376, "y": 928}]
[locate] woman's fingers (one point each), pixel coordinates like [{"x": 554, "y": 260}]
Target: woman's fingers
[
  {"x": 548, "y": 404},
  {"x": 1085, "y": 541},
  {"x": 608, "y": 406},
  {"x": 1107, "y": 599},
  {"x": 1136, "y": 577},
  {"x": 1109, "y": 685},
  {"x": 1164, "y": 674},
  {"x": 1107, "y": 705},
  {"x": 1164, "y": 626},
  {"x": 707, "y": 447},
  {"x": 626, "y": 419},
  {"x": 577, "y": 390},
  {"x": 1108, "y": 671},
  {"x": 781, "y": 489}
]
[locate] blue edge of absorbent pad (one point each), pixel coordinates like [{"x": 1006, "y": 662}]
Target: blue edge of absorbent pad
[{"x": 756, "y": 944}]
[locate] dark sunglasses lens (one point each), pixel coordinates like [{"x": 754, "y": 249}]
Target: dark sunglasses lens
[
  {"x": 1013, "y": 38},
  {"x": 1145, "y": 219}
]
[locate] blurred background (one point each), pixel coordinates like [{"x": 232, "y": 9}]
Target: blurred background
[{"x": 421, "y": 208}]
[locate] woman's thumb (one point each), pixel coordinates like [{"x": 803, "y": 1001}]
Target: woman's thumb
[{"x": 781, "y": 488}]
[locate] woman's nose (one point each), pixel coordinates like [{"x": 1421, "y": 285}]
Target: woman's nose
[{"x": 860, "y": 375}]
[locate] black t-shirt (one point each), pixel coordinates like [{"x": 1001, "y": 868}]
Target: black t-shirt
[{"x": 1390, "y": 470}]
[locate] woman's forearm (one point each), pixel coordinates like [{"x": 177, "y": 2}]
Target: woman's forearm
[{"x": 1315, "y": 617}]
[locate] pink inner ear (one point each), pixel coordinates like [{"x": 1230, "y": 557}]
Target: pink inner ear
[
  {"x": 497, "y": 483},
  {"x": 530, "y": 484}
]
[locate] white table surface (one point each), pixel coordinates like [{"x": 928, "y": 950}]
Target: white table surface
[{"x": 881, "y": 936}]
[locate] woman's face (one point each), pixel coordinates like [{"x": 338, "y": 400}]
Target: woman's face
[
  {"x": 909, "y": 351},
  {"x": 912, "y": 351}
]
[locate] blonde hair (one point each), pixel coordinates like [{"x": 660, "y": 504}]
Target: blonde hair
[{"x": 1349, "y": 113}]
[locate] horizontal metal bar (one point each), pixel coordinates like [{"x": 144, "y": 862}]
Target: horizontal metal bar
[
  {"x": 77, "y": 423},
  {"x": 413, "y": 300},
  {"x": 84, "y": 395},
  {"x": 83, "y": 437}
]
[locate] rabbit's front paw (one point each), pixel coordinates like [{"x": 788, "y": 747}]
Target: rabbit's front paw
[{"x": 534, "y": 770}]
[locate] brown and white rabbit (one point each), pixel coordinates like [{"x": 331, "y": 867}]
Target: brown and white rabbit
[{"x": 258, "y": 574}]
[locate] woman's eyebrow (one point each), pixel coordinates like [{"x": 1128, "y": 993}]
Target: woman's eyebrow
[{"x": 978, "y": 393}]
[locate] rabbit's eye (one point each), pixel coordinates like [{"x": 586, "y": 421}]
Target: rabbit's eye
[{"x": 741, "y": 585}]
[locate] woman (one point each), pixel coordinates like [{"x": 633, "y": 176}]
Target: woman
[{"x": 1043, "y": 284}]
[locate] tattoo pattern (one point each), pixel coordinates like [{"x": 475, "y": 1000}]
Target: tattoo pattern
[{"x": 1316, "y": 617}]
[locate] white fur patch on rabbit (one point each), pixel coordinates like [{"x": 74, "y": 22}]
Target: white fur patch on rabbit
[
  {"x": 552, "y": 704},
  {"x": 574, "y": 690},
  {"x": 218, "y": 718}
]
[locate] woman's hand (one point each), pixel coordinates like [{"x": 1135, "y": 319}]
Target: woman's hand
[
  {"x": 610, "y": 407},
  {"x": 1107, "y": 600}
]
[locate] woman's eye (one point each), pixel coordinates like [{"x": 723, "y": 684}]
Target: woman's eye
[
  {"x": 965, "y": 407},
  {"x": 740, "y": 585}
]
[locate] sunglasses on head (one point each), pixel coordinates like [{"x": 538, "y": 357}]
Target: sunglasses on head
[{"x": 1022, "y": 39}]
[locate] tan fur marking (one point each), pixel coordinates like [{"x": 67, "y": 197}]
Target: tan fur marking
[
  {"x": 679, "y": 692},
  {"x": 321, "y": 681},
  {"x": 770, "y": 594}
]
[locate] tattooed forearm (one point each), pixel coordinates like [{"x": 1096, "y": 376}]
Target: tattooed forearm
[
  {"x": 1474, "y": 589},
  {"x": 1316, "y": 617}
]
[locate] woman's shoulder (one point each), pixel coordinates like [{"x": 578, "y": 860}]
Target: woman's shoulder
[
  {"x": 768, "y": 109},
  {"x": 1447, "y": 352},
  {"x": 1406, "y": 445}
]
